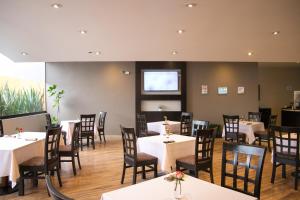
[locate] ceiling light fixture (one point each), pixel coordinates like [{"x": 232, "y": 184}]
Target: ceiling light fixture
[
  {"x": 83, "y": 32},
  {"x": 23, "y": 53},
  {"x": 125, "y": 72},
  {"x": 97, "y": 53},
  {"x": 276, "y": 32},
  {"x": 56, "y": 5},
  {"x": 250, "y": 53},
  {"x": 180, "y": 31},
  {"x": 190, "y": 5},
  {"x": 174, "y": 52}
]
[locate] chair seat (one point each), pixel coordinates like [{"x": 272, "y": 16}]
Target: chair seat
[
  {"x": 187, "y": 159},
  {"x": 142, "y": 157},
  {"x": 35, "y": 161},
  {"x": 261, "y": 133},
  {"x": 65, "y": 148},
  {"x": 152, "y": 133}
]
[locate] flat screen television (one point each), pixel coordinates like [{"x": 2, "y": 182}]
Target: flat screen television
[{"x": 161, "y": 82}]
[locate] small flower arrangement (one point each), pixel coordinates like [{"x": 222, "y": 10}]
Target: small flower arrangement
[
  {"x": 177, "y": 177},
  {"x": 19, "y": 130}
]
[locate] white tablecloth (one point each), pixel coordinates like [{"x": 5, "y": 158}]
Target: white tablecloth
[
  {"x": 160, "y": 127},
  {"x": 14, "y": 151},
  {"x": 249, "y": 128},
  {"x": 167, "y": 153},
  {"x": 68, "y": 127},
  {"x": 160, "y": 189}
]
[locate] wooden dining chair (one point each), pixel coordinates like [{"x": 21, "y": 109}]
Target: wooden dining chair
[
  {"x": 231, "y": 127},
  {"x": 265, "y": 136},
  {"x": 87, "y": 127},
  {"x": 134, "y": 159},
  {"x": 186, "y": 122},
  {"x": 36, "y": 167},
  {"x": 199, "y": 124},
  {"x": 203, "y": 155},
  {"x": 54, "y": 193},
  {"x": 242, "y": 167},
  {"x": 286, "y": 150},
  {"x": 254, "y": 116},
  {"x": 50, "y": 124},
  {"x": 101, "y": 126},
  {"x": 71, "y": 151},
  {"x": 1, "y": 129},
  {"x": 142, "y": 129}
]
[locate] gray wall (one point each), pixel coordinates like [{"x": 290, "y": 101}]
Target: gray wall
[
  {"x": 277, "y": 85},
  {"x": 91, "y": 87},
  {"x": 212, "y": 106}
]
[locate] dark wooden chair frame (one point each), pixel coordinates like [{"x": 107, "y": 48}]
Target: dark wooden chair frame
[
  {"x": 51, "y": 161},
  {"x": 87, "y": 127},
  {"x": 199, "y": 124},
  {"x": 54, "y": 193},
  {"x": 186, "y": 122},
  {"x": 249, "y": 151},
  {"x": 265, "y": 136},
  {"x": 285, "y": 154},
  {"x": 203, "y": 157},
  {"x": 254, "y": 116},
  {"x": 1, "y": 129},
  {"x": 50, "y": 124},
  {"x": 74, "y": 151},
  {"x": 231, "y": 127},
  {"x": 142, "y": 128},
  {"x": 131, "y": 156},
  {"x": 101, "y": 126}
]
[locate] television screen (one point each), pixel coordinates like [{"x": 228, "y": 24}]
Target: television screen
[{"x": 160, "y": 81}]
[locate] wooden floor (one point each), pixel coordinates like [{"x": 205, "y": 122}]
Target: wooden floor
[{"x": 101, "y": 172}]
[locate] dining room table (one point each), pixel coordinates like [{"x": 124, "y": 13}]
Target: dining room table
[
  {"x": 249, "y": 128},
  {"x": 17, "y": 148},
  {"x": 161, "y": 189},
  {"x": 162, "y": 127},
  {"x": 167, "y": 149}
]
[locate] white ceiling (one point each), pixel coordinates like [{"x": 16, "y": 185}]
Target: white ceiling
[{"x": 138, "y": 30}]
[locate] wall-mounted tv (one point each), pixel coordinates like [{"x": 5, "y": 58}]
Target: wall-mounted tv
[{"x": 161, "y": 81}]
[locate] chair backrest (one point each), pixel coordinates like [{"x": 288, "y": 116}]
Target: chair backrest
[
  {"x": 129, "y": 143},
  {"x": 48, "y": 120},
  {"x": 198, "y": 124},
  {"x": 101, "y": 121},
  {"x": 285, "y": 144},
  {"x": 75, "y": 137},
  {"x": 55, "y": 194},
  {"x": 141, "y": 122},
  {"x": 52, "y": 146},
  {"x": 254, "y": 116},
  {"x": 244, "y": 164},
  {"x": 1, "y": 129},
  {"x": 87, "y": 123},
  {"x": 231, "y": 124},
  {"x": 204, "y": 145},
  {"x": 272, "y": 120},
  {"x": 186, "y": 123}
]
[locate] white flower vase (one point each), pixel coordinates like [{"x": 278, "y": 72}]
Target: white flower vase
[{"x": 177, "y": 192}]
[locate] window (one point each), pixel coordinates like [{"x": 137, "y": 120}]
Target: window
[{"x": 22, "y": 87}]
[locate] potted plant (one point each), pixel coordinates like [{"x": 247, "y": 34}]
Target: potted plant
[{"x": 57, "y": 95}]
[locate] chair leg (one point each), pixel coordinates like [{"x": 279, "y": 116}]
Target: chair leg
[
  {"x": 273, "y": 172},
  {"x": 144, "y": 173},
  {"x": 259, "y": 141},
  {"x": 93, "y": 141},
  {"x": 196, "y": 173},
  {"x": 35, "y": 180},
  {"x": 296, "y": 178},
  {"x": 88, "y": 141},
  {"x": 73, "y": 165},
  {"x": 81, "y": 143},
  {"x": 104, "y": 137},
  {"x": 78, "y": 160},
  {"x": 211, "y": 173},
  {"x": 155, "y": 170},
  {"x": 21, "y": 183},
  {"x": 123, "y": 173},
  {"x": 58, "y": 176},
  {"x": 269, "y": 144},
  {"x": 283, "y": 171},
  {"x": 134, "y": 174},
  {"x": 99, "y": 132}
]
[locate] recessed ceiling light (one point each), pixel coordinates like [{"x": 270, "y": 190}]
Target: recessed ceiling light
[
  {"x": 174, "y": 52},
  {"x": 180, "y": 31},
  {"x": 250, "y": 53},
  {"x": 90, "y": 52},
  {"x": 83, "y": 32},
  {"x": 23, "y": 53},
  {"x": 125, "y": 72},
  {"x": 56, "y": 5},
  {"x": 276, "y": 32},
  {"x": 97, "y": 53},
  {"x": 190, "y": 5}
]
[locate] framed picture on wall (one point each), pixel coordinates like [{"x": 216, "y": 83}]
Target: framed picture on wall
[
  {"x": 241, "y": 90},
  {"x": 222, "y": 90},
  {"x": 204, "y": 89}
]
